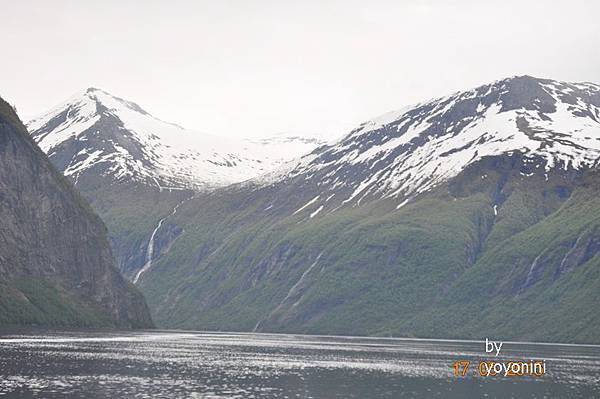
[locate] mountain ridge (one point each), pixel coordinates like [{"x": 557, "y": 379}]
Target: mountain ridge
[{"x": 403, "y": 153}]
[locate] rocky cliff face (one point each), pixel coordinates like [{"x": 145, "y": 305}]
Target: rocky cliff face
[{"x": 56, "y": 266}]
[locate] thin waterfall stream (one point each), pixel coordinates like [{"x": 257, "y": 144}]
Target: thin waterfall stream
[{"x": 150, "y": 249}]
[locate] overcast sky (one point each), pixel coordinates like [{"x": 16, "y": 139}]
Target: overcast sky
[{"x": 258, "y": 68}]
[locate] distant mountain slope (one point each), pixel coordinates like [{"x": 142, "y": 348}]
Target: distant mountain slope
[
  {"x": 477, "y": 217},
  {"x": 135, "y": 169},
  {"x": 56, "y": 267}
]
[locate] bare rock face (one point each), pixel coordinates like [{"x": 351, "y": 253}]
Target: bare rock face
[{"x": 56, "y": 266}]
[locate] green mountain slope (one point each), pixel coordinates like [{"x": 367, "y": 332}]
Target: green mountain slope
[{"x": 444, "y": 265}]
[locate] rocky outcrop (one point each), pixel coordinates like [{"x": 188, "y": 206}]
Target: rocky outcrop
[{"x": 56, "y": 265}]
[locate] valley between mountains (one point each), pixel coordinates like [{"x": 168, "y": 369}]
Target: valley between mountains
[{"x": 475, "y": 214}]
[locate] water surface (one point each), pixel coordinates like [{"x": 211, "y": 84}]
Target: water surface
[{"x": 219, "y": 365}]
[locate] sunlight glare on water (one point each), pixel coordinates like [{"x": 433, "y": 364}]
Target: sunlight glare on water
[{"x": 232, "y": 365}]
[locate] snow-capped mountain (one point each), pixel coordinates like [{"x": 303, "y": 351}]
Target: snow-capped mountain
[
  {"x": 96, "y": 132},
  {"x": 403, "y": 153}
]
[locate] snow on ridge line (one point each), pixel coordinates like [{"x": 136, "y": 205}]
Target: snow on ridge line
[
  {"x": 403, "y": 153},
  {"x": 161, "y": 150}
]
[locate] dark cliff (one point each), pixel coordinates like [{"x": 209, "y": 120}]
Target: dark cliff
[{"x": 56, "y": 266}]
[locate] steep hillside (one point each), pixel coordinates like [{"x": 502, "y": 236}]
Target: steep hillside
[
  {"x": 467, "y": 216},
  {"x": 56, "y": 266}
]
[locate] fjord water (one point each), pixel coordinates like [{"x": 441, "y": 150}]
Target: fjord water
[{"x": 232, "y": 365}]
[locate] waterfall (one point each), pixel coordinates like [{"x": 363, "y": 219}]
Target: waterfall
[
  {"x": 150, "y": 249},
  {"x": 529, "y": 278}
]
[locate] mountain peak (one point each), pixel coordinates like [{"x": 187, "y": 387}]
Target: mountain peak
[
  {"x": 109, "y": 101},
  {"x": 524, "y": 78}
]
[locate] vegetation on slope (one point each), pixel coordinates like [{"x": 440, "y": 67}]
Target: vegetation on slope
[{"x": 444, "y": 265}]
